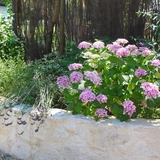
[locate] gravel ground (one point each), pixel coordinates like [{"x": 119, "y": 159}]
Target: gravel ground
[{"x": 4, "y": 156}]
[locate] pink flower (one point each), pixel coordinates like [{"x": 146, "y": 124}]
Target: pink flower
[
  {"x": 131, "y": 47},
  {"x": 136, "y": 52},
  {"x": 145, "y": 51},
  {"x": 122, "y": 52},
  {"x": 141, "y": 44},
  {"x": 150, "y": 90},
  {"x": 76, "y": 77},
  {"x": 93, "y": 77},
  {"x": 140, "y": 72},
  {"x": 75, "y": 66},
  {"x": 129, "y": 107},
  {"x": 87, "y": 95},
  {"x": 84, "y": 44},
  {"x": 155, "y": 62},
  {"x": 102, "y": 98},
  {"x": 63, "y": 82},
  {"x": 114, "y": 47},
  {"x": 101, "y": 113},
  {"x": 98, "y": 45},
  {"x": 121, "y": 41},
  {"x": 142, "y": 48}
]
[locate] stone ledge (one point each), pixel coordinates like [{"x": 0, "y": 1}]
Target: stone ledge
[{"x": 74, "y": 137}]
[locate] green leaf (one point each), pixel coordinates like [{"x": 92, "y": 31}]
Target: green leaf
[
  {"x": 77, "y": 108},
  {"x": 70, "y": 107},
  {"x": 131, "y": 87},
  {"x": 157, "y": 101},
  {"x": 86, "y": 111},
  {"x": 150, "y": 103},
  {"x": 157, "y": 74},
  {"x": 113, "y": 59},
  {"x": 131, "y": 62},
  {"x": 112, "y": 71},
  {"x": 116, "y": 110},
  {"x": 124, "y": 117}
]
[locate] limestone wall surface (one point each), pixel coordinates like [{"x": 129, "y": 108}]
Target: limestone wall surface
[{"x": 74, "y": 137}]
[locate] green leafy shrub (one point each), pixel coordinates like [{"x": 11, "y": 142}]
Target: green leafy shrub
[
  {"x": 5, "y": 2},
  {"x": 36, "y": 84},
  {"x": 10, "y": 69},
  {"x": 117, "y": 79},
  {"x": 10, "y": 45}
]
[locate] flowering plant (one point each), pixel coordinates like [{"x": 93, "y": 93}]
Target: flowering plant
[{"x": 119, "y": 79}]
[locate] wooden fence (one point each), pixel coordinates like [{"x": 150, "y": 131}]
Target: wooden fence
[{"x": 37, "y": 22}]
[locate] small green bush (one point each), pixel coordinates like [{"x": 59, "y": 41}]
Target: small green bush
[
  {"x": 10, "y": 45},
  {"x": 118, "y": 79},
  {"x": 10, "y": 69}
]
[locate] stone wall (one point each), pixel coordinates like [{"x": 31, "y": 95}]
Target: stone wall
[{"x": 74, "y": 137}]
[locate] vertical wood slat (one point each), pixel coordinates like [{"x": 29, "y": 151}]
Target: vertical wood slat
[{"x": 37, "y": 22}]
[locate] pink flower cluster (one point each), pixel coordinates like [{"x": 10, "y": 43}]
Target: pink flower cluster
[
  {"x": 76, "y": 77},
  {"x": 84, "y": 45},
  {"x": 145, "y": 51},
  {"x": 140, "y": 72},
  {"x": 155, "y": 62},
  {"x": 114, "y": 47},
  {"x": 93, "y": 77},
  {"x": 131, "y": 47},
  {"x": 129, "y": 107},
  {"x": 101, "y": 113},
  {"x": 75, "y": 66},
  {"x": 63, "y": 82},
  {"x": 117, "y": 47},
  {"x": 87, "y": 95},
  {"x": 102, "y": 98},
  {"x": 121, "y": 41},
  {"x": 122, "y": 52},
  {"x": 150, "y": 90},
  {"x": 98, "y": 45}
]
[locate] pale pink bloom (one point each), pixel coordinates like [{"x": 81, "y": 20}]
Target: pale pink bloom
[
  {"x": 141, "y": 49},
  {"x": 87, "y": 95},
  {"x": 102, "y": 98},
  {"x": 146, "y": 52},
  {"x": 75, "y": 66},
  {"x": 155, "y": 62},
  {"x": 76, "y": 77},
  {"x": 98, "y": 45},
  {"x": 84, "y": 44},
  {"x": 131, "y": 47},
  {"x": 121, "y": 41},
  {"x": 122, "y": 52},
  {"x": 63, "y": 82},
  {"x": 150, "y": 90},
  {"x": 136, "y": 52},
  {"x": 101, "y": 113},
  {"x": 140, "y": 72},
  {"x": 93, "y": 76},
  {"x": 114, "y": 47},
  {"x": 129, "y": 107}
]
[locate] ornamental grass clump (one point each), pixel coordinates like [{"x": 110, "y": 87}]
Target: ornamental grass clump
[{"x": 119, "y": 79}]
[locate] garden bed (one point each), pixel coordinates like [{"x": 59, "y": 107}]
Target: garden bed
[{"x": 75, "y": 137}]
